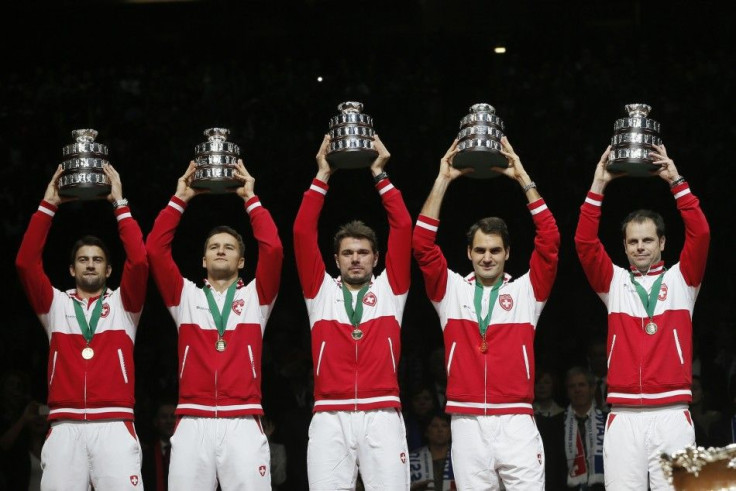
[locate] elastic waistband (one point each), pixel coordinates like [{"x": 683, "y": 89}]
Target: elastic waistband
[{"x": 648, "y": 409}]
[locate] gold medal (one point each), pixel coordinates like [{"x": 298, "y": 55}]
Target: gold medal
[
  {"x": 483, "y": 346},
  {"x": 650, "y": 328},
  {"x": 220, "y": 345},
  {"x": 357, "y": 334},
  {"x": 88, "y": 353}
]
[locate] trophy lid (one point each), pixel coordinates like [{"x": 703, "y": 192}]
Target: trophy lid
[
  {"x": 638, "y": 110},
  {"x": 482, "y": 107},
  {"x": 84, "y": 135},
  {"x": 216, "y": 134},
  {"x": 350, "y": 107}
]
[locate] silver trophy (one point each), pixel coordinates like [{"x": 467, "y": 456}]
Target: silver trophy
[
  {"x": 479, "y": 144},
  {"x": 82, "y": 174},
  {"x": 633, "y": 138},
  {"x": 216, "y": 161},
  {"x": 351, "y": 132}
]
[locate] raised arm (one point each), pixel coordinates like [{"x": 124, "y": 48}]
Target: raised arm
[
  {"x": 398, "y": 250},
  {"x": 593, "y": 257},
  {"x": 134, "y": 279},
  {"x": 270, "y": 250},
  {"x": 309, "y": 263},
  {"x": 694, "y": 254},
  {"x": 29, "y": 261},
  {"x": 544, "y": 258},
  {"x": 426, "y": 252},
  {"x": 165, "y": 272}
]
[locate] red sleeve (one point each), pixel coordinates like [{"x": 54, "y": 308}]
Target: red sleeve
[
  {"x": 135, "y": 270},
  {"x": 398, "y": 250},
  {"x": 694, "y": 253},
  {"x": 309, "y": 263},
  {"x": 165, "y": 272},
  {"x": 543, "y": 263},
  {"x": 429, "y": 257},
  {"x": 29, "y": 261},
  {"x": 596, "y": 263},
  {"x": 270, "y": 251}
]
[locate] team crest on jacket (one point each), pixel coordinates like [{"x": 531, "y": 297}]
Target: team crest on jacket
[
  {"x": 134, "y": 480},
  {"x": 262, "y": 470},
  {"x": 505, "y": 301},
  {"x": 662, "y": 293},
  {"x": 403, "y": 458},
  {"x": 370, "y": 299},
  {"x": 238, "y": 306},
  {"x": 105, "y": 310}
]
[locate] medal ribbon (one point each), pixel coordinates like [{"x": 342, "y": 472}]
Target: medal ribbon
[
  {"x": 354, "y": 314},
  {"x": 220, "y": 318},
  {"x": 484, "y": 321},
  {"x": 649, "y": 301},
  {"x": 88, "y": 330}
]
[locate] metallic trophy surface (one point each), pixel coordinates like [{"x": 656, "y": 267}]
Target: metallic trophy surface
[
  {"x": 699, "y": 468},
  {"x": 216, "y": 161},
  {"x": 82, "y": 174},
  {"x": 351, "y": 132},
  {"x": 633, "y": 138},
  {"x": 479, "y": 142}
]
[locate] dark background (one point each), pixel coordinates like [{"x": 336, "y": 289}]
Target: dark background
[{"x": 150, "y": 77}]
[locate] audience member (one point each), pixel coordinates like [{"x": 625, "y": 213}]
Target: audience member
[{"x": 431, "y": 464}]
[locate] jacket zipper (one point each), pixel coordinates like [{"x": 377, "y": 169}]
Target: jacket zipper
[
  {"x": 449, "y": 358},
  {"x": 184, "y": 361},
  {"x": 252, "y": 362},
  {"x": 319, "y": 360},
  {"x": 391, "y": 350},
  {"x": 526, "y": 360},
  {"x": 679, "y": 348},
  {"x": 53, "y": 368}
]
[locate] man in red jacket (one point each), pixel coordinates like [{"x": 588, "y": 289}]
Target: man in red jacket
[
  {"x": 650, "y": 310},
  {"x": 488, "y": 323},
  {"x": 91, "y": 331},
  {"x": 355, "y": 322},
  {"x": 219, "y": 436}
]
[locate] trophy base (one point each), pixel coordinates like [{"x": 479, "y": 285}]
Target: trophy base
[
  {"x": 217, "y": 186},
  {"x": 632, "y": 167},
  {"x": 482, "y": 160},
  {"x": 85, "y": 191},
  {"x": 352, "y": 159}
]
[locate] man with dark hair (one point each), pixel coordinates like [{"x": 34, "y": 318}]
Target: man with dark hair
[
  {"x": 355, "y": 322},
  {"x": 650, "y": 310},
  {"x": 219, "y": 435},
  {"x": 91, "y": 331},
  {"x": 488, "y": 324}
]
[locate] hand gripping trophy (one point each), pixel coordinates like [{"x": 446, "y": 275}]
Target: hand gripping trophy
[
  {"x": 351, "y": 138},
  {"x": 633, "y": 139}
]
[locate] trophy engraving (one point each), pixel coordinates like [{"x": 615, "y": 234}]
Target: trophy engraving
[
  {"x": 479, "y": 142},
  {"x": 634, "y": 137},
  {"x": 351, "y": 133},
  {"x": 216, "y": 161},
  {"x": 82, "y": 174}
]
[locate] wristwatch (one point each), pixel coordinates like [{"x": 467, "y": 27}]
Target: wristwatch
[
  {"x": 380, "y": 177},
  {"x": 120, "y": 202}
]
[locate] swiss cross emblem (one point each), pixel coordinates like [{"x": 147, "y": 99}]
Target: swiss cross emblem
[
  {"x": 662, "y": 292},
  {"x": 105, "y": 310},
  {"x": 539, "y": 458},
  {"x": 403, "y": 458},
  {"x": 505, "y": 301},
  {"x": 262, "y": 470},
  {"x": 370, "y": 299},
  {"x": 238, "y": 306},
  {"x": 134, "y": 480}
]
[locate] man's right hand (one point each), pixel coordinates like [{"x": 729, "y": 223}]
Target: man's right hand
[
  {"x": 184, "y": 189},
  {"x": 324, "y": 171},
  {"x": 52, "y": 195},
  {"x": 602, "y": 176}
]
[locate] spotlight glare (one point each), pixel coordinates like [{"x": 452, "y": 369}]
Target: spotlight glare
[
  {"x": 319, "y": 79},
  {"x": 499, "y": 50}
]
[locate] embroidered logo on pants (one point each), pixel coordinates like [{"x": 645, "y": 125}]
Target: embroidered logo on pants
[
  {"x": 403, "y": 458},
  {"x": 134, "y": 480},
  {"x": 262, "y": 470}
]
